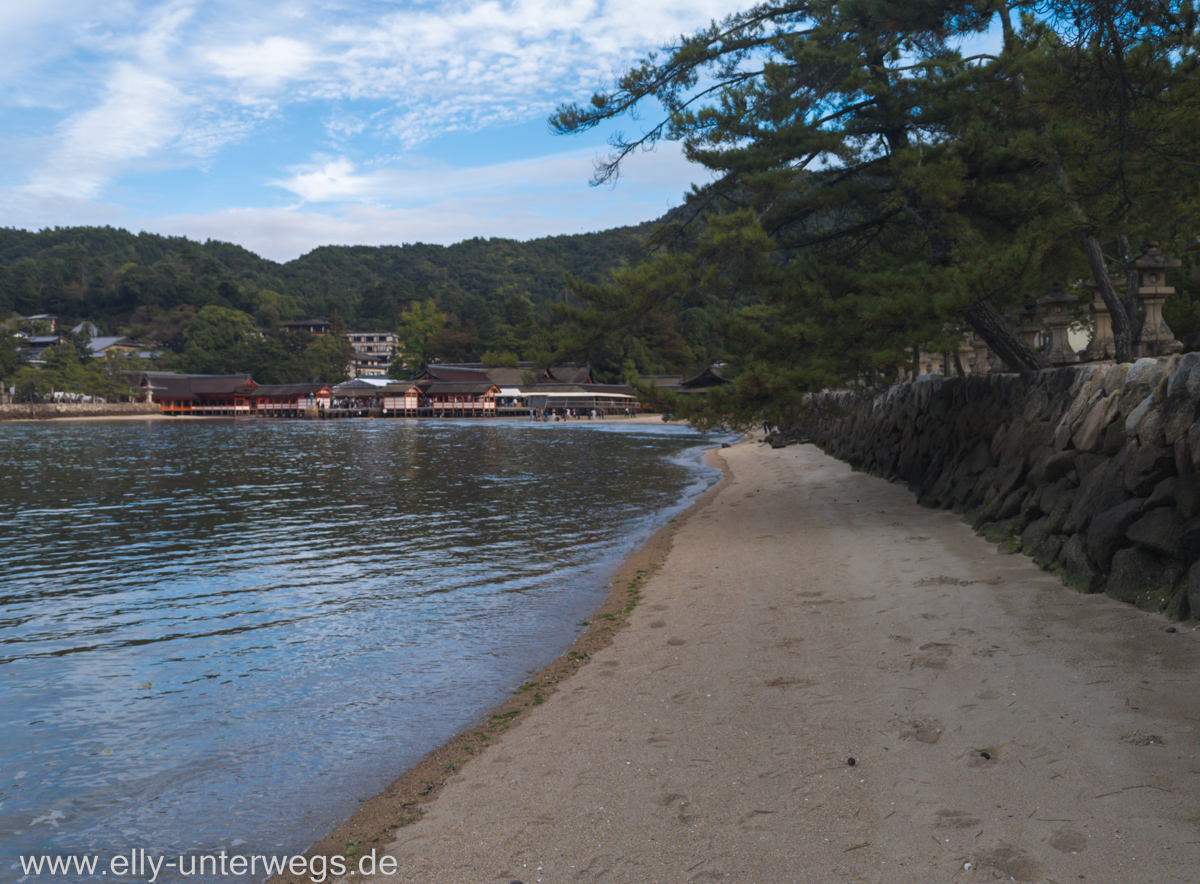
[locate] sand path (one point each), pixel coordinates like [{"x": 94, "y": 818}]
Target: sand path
[{"x": 808, "y": 614}]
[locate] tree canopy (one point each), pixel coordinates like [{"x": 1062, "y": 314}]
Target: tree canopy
[
  {"x": 494, "y": 295},
  {"x": 876, "y": 190}
]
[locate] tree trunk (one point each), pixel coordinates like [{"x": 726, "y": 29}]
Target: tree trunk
[
  {"x": 1003, "y": 340},
  {"x": 958, "y": 366},
  {"x": 1131, "y": 287},
  {"x": 1121, "y": 326}
]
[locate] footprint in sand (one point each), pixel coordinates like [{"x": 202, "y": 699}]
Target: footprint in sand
[
  {"x": 657, "y": 624},
  {"x": 680, "y": 804},
  {"x": 1137, "y": 738},
  {"x": 923, "y": 730},
  {"x": 955, "y": 819},
  {"x": 1011, "y": 861},
  {"x": 787, "y": 681},
  {"x": 936, "y": 656},
  {"x": 1068, "y": 841},
  {"x": 676, "y": 642}
]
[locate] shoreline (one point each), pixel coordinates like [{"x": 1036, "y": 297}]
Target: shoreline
[
  {"x": 89, "y": 418},
  {"x": 405, "y": 800},
  {"x": 825, "y": 681}
]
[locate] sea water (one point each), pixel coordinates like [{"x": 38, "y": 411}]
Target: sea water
[{"x": 225, "y": 635}]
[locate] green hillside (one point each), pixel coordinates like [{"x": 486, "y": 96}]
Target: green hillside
[{"x": 489, "y": 295}]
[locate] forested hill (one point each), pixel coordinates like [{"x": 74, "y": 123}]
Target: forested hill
[{"x": 148, "y": 286}]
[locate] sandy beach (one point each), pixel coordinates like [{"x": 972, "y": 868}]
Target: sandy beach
[{"x": 825, "y": 682}]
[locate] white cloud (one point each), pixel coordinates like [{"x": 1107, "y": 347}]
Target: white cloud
[
  {"x": 332, "y": 180},
  {"x": 140, "y": 85},
  {"x": 266, "y": 64},
  {"x": 137, "y": 116}
]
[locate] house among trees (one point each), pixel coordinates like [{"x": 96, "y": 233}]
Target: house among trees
[
  {"x": 701, "y": 381},
  {"x": 103, "y": 347},
  {"x": 48, "y": 320},
  {"x": 319, "y": 326}
]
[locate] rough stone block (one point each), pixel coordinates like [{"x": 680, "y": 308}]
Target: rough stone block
[
  {"x": 1048, "y": 551},
  {"x": 1143, "y": 376},
  {"x": 1178, "y": 608},
  {"x": 1059, "y": 511},
  {"x": 1143, "y": 578},
  {"x": 1074, "y": 568},
  {"x": 1005, "y": 530},
  {"x": 1085, "y": 463},
  {"x": 1090, "y": 434},
  {"x": 1183, "y": 457},
  {"x": 1114, "y": 439},
  {"x": 1034, "y": 536},
  {"x": 1059, "y": 466},
  {"x": 1161, "y": 531},
  {"x": 1150, "y": 464},
  {"x": 1084, "y": 505},
  {"x": 1191, "y": 586},
  {"x": 1012, "y": 505},
  {"x": 1187, "y": 495},
  {"x": 1163, "y": 493},
  {"x": 1106, "y": 534}
]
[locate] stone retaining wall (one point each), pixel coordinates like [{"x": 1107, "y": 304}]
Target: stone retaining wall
[
  {"x": 47, "y": 411},
  {"x": 1094, "y": 471}
]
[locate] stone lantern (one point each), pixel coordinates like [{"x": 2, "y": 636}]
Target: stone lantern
[
  {"x": 1029, "y": 325},
  {"x": 1102, "y": 346},
  {"x": 964, "y": 354},
  {"x": 1156, "y": 338},
  {"x": 1057, "y": 305},
  {"x": 929, "y": 363},
  {"x": 979, "y": 345}
]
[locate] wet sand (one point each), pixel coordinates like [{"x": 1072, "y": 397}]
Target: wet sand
[{"x": 825, "y": 682}]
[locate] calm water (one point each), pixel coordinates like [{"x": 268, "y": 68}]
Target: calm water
[{"x": 228, "y": 634}]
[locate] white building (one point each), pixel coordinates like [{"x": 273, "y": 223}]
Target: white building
[{"x": 373, "y": 353}]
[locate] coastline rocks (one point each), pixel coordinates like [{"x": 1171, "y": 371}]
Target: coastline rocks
[
  {"x": 1106, "y": 534},
  {"x": 1094, "y": 471},
  {"x": 1161, "y": 531},
  {"x": 1143, "y": 579}
]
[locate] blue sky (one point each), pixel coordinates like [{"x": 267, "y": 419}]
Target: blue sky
[{"x": 287, "y": 125}]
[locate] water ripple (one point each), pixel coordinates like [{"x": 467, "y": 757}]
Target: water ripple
[{"x": 228, "y": 633}]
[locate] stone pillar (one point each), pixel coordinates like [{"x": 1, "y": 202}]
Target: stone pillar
[
  {"x": 1102, "y": 345},
  {"x": 929, "y": 364},
  {"x": 964, "y": 355},
  {"x": 1057, "y": 305},
  {"x": 979, "y": 345},
  {"x": 1156, "y": 337},
  {"x": 1029, "y": 324}
]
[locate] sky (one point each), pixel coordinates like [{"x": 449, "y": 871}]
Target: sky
[{"x": 282, "y": 126}]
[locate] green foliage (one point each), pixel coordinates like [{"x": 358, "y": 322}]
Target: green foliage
[
  {"x": 493, "y": 294},
  {"x": 875, "y": 191},
  {"x": 420, "y": 326},
  {"x": 500, "y": 360},
  {"x": 215, "y": 341},
  {"x": 66, "y": 372},
  {"x": 8, "y": 355}
]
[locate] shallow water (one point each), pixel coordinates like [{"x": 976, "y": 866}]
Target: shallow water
[{"x": 225, "y": 635}]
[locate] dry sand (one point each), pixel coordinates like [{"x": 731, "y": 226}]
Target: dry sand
[{"x": 807, "y": 615}]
